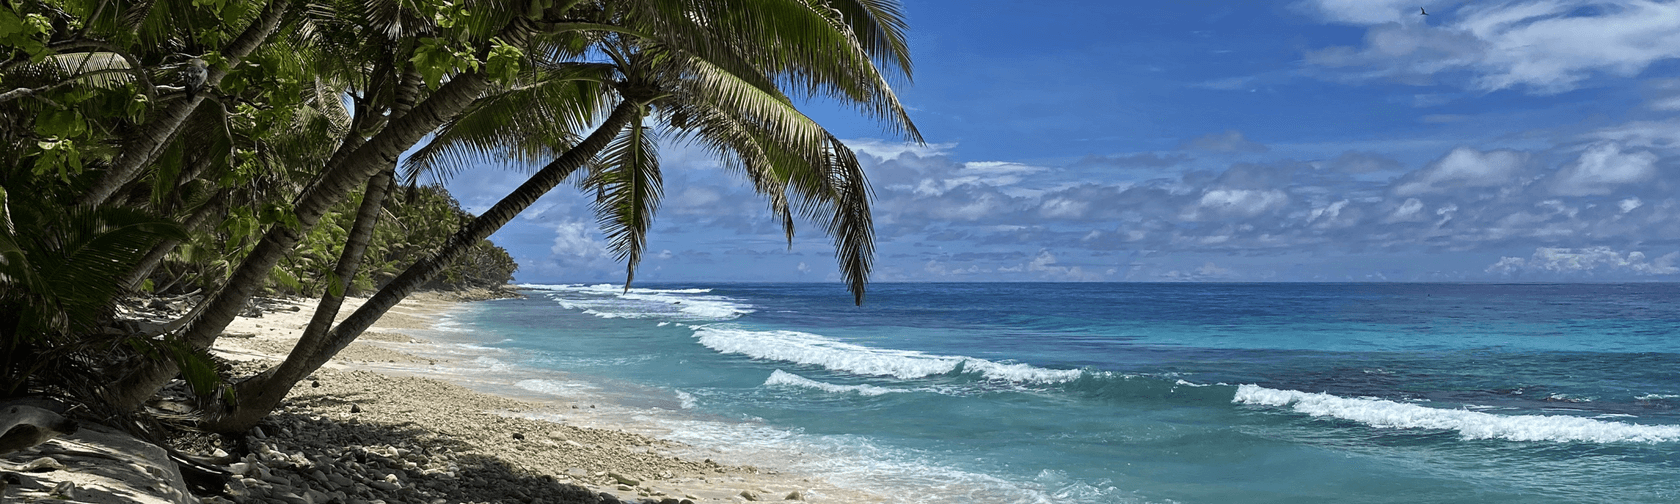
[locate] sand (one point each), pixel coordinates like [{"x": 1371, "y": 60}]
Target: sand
[{"x": 446, "y": 441}]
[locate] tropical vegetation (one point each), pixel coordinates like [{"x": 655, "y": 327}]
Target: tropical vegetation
[{"x": 236, "y": 148}]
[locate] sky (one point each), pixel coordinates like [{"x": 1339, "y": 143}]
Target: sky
[{"x": 1311, "y": 140}]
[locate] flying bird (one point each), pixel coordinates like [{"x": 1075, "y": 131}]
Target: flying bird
[
  {"x": 1422, "y": 12},
  {"x": 194, "y": 76}
]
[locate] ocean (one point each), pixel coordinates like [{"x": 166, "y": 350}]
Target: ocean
[{"x": 1098, "y": 393}]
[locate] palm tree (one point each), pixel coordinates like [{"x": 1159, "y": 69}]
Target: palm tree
[
  {"x": 355, "y": 161},
  {"x": 681, "y": 65},
  {"x": 56, "y": 263}
]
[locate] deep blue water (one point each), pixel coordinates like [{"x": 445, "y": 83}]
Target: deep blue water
[{"x": 1191, "y": 393}]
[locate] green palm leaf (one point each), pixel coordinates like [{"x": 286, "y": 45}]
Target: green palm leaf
[{"x": 628, "y": 183}]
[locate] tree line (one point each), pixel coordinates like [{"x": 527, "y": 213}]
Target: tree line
[{"x": 240, "y": 147}]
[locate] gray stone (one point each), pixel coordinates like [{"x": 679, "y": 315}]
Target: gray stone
[
  {"x": 624, "y": 479},
  {"x": 65, "y": 489},
  {"x": 43, "y": 464}
]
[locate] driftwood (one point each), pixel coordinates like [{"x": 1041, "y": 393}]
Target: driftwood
[{"x": 22, "y": 427}]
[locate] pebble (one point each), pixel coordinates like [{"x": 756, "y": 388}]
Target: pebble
[
  {"x": 627, "y": 480},
  {"x": 65, "y": 489},
  {"x": 43, "y": 464}
]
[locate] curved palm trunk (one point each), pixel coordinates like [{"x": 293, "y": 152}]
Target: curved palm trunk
[
  {"x": 255, "y": 402},
  {"x": 338, "y": 180},
  {"x": 260, "y": 394},
  {"x": 163, "y": 248},
  {"x": 378, "y": 189},
  {"x": 131, "y": 389},
  {"x": 148, "y": 142}
]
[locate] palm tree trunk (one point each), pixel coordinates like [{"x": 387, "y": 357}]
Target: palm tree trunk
[
  {"x": 255, "y": 400},
  {"x": 260, "y": 394},
  {"x": 148, "y": 142},
  {"x": 163, "y": 248},
  {"x": 380, "y": 151},
  {"x": 238, "y": 417}
]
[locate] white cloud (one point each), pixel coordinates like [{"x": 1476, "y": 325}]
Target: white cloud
[
  {"x": 1507, "y": 266},
  {"x": 1587, "y": 261},
  {"x": 575, "y": 239},
  {"x": 1239, "y": 202},
  {"x": 1650, "y": 134},
  {"x": 1463, "y": 167},
  {"x": 977, "y": 173},
  {"x": 803, "y": 268},
  {"x": 888, "y": 149},
  {"x": 1630, "y": 204},
  {"x": 1062, "y": 208},
  {"x": 974, "y": 209},
  {"x": 1411, "y": 210},
  {"x": 1045, "y": 263},
  {"x": 1547, "y": 46},
  {"x": 1601, "y": 169}
]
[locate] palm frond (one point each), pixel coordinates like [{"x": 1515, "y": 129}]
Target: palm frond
[
  {"x": 520, "y": 126},
  {"x": 630, "y": 186},
  {"x": 807, "y": 48},
  {"x": 878, "y": 25}
]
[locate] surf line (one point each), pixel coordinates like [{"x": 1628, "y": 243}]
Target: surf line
[{"x": 1384, "y": 413}]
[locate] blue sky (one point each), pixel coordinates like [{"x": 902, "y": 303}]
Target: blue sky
[{"x": 1315, "y": 140}]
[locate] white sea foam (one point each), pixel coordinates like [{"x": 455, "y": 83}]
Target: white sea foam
[
  {"x": 612, "y": 301},
  {"x": 554, "y": 388},
  {"x": 857, "y": 462},
  {"x": 607, "y": 289},
  {"x": 1469, "y": 424},
  {"x": 806, "y": 348},
  {"x": 1654, "y": 397},
  {"x": 784, "y": 378},
  {"x": 1190, "y": 384}
]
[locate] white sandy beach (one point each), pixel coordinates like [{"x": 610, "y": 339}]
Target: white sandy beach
[
  {"x": 375, "y": 425},
  {"x": 394, "y": 394}
]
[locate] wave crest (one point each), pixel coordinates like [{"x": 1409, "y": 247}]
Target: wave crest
[
  {"x": 1383, "y": 413},
  {"x": 784, "y": 378},
  {"x": 806, "y": 348}
]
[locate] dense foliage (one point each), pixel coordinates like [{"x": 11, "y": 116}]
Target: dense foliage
[
  {"x": 416, "y": 222},
  {"x": 233, "y": 148}
]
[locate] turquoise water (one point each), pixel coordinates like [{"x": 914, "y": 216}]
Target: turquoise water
[{"x": 1190, "y": 393}]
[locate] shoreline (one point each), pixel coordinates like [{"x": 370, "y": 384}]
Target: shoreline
[{"x": 525, "y": 444}]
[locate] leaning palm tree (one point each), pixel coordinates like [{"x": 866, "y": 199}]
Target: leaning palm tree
[{"x": 708, "y": 72}]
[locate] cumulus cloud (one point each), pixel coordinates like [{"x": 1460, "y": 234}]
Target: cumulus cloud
[
  {"x": 1231, "y": 141},
  {"x": 1603, "y": 168},
  {"x": 575, "y": 239},
  {"x": 1045, "y": 264},
  {"x": 1466, "y": 200},
  {"x": 1545, "y": 46},
  {"x": 890, "y": 149},
  {"x": 1587, "y": 261},
  {"x": 1236, "y": 202},
  {"x": 1464, "y": 167}
]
